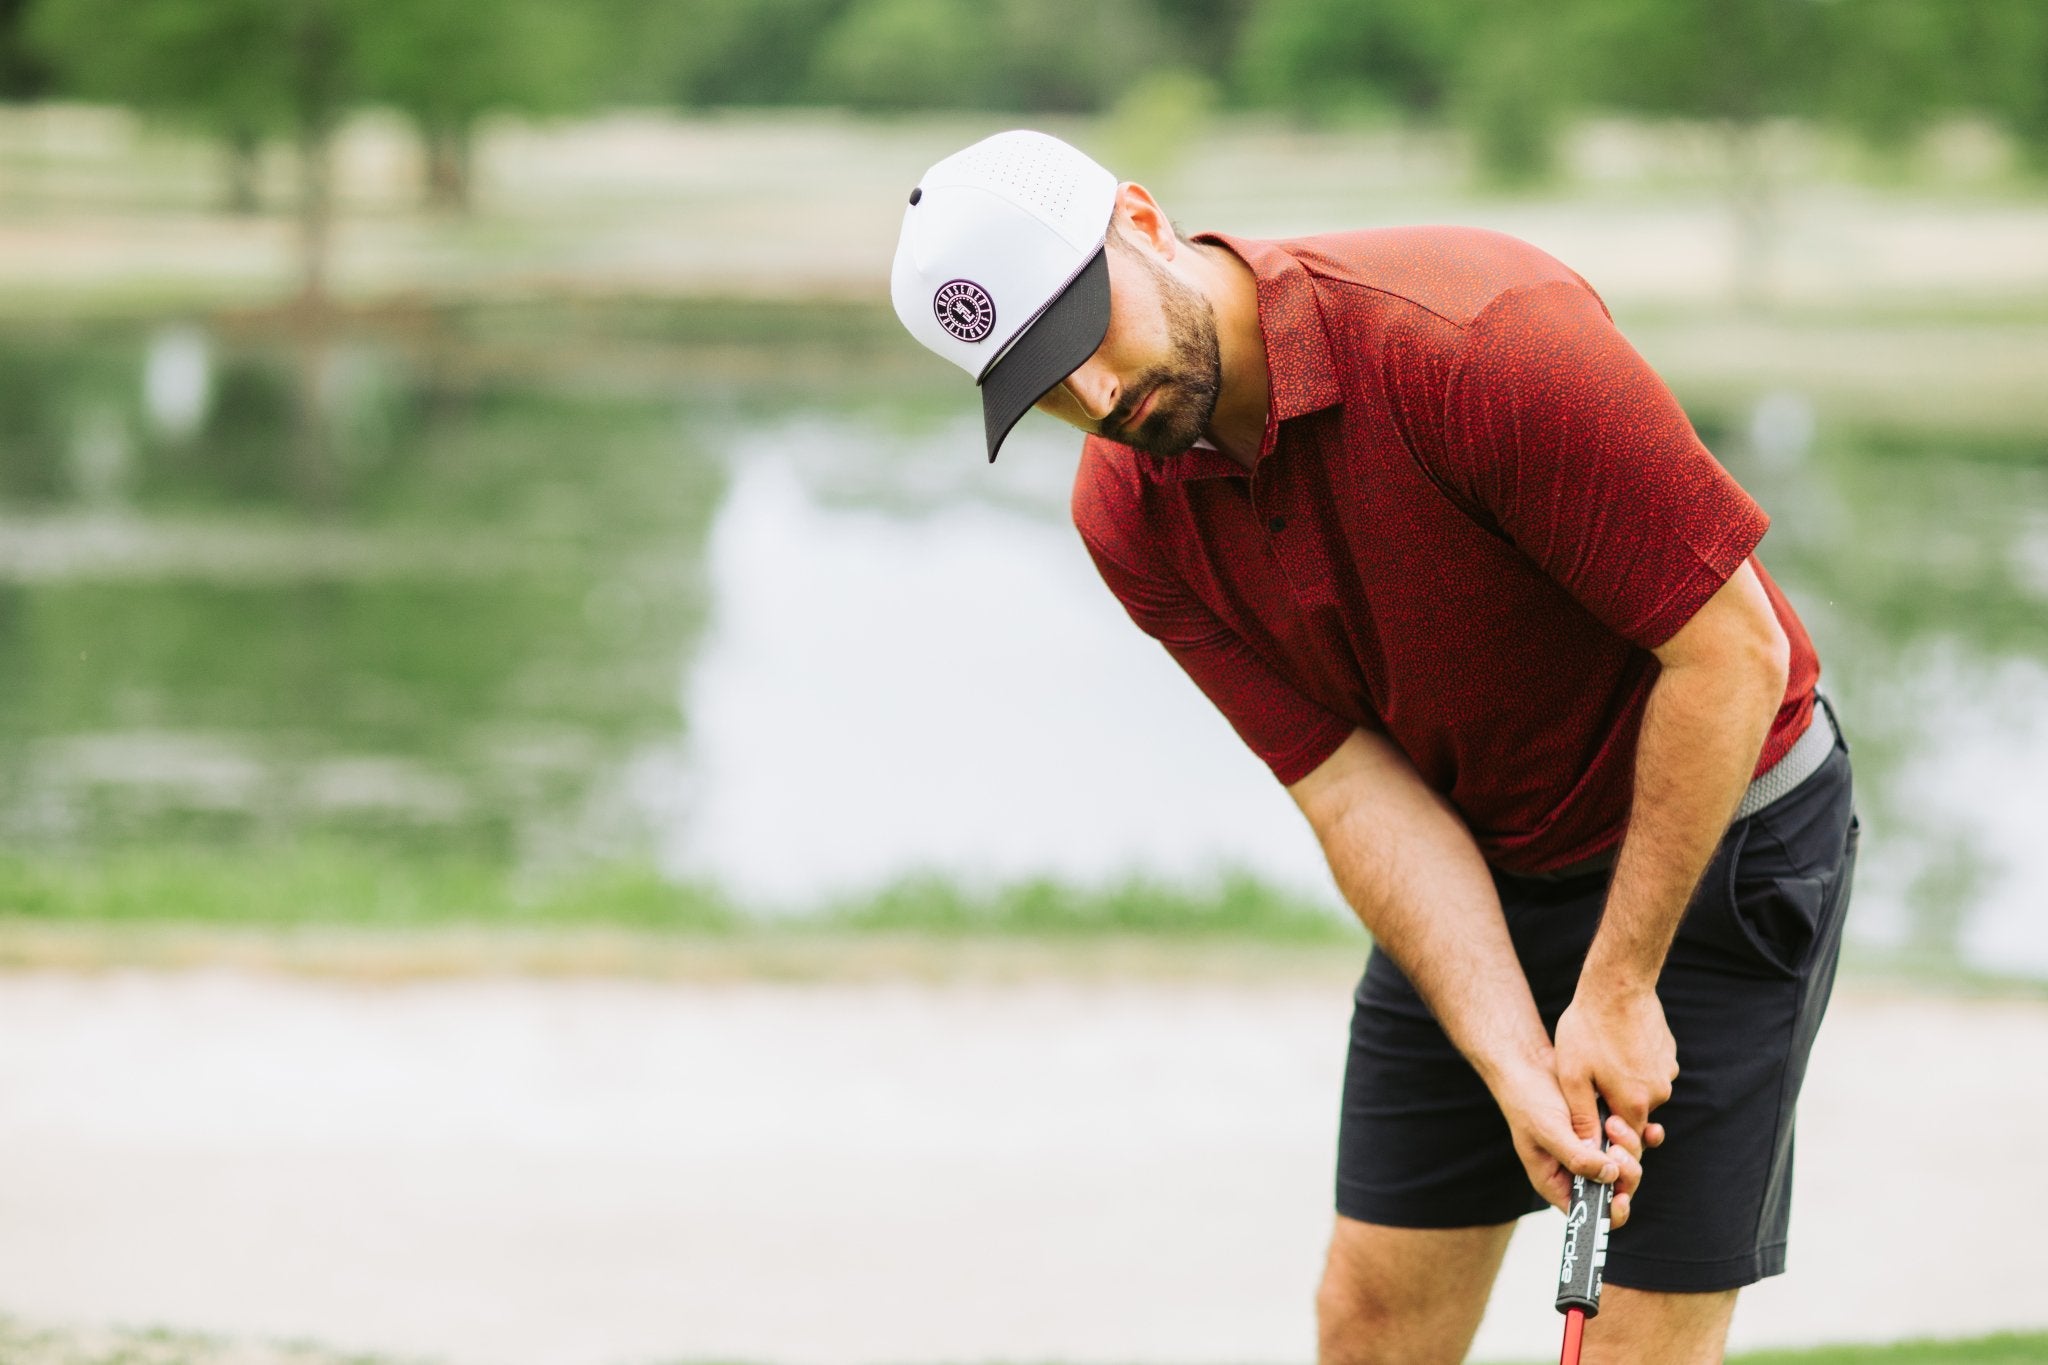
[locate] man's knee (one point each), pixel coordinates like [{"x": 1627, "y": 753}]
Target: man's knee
[
  {"x": 1683, "y": 1329},
  {"x": 1350, "y": 1318},
  {"x": 1392, "y": 1296},
  {"x": 1354, "y": 1322}
]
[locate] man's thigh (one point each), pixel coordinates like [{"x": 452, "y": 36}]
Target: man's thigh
[{"x": 1405, "y": 1296}]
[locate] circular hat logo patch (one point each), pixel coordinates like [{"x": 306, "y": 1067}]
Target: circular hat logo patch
[{"x": 965, "y": 310}]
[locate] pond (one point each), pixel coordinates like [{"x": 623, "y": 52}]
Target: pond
[{"x": 728, "y": 593}]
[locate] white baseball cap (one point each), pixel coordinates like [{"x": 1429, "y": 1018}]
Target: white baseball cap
[{"x": 1000, "y": 267}]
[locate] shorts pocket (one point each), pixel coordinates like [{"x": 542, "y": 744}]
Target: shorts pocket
[
  {"x": 1779, "y": 917},
  {"x": 1763, "y": 904},
  {"x": 1781, "y": 880}
]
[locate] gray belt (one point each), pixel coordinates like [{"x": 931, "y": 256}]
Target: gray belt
[{"x": 1798, "y": 763}]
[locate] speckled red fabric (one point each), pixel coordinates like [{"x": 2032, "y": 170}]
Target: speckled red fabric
[{"x": 1476, "y": 511}]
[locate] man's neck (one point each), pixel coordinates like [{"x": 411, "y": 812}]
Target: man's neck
[{"x": 1238, "y": 426}]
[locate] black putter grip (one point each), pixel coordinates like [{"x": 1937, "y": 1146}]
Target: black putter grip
[{"x": 1585, "y": 1247}]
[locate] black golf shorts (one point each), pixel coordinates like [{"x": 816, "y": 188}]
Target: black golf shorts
[{"x": 1422, "y": 1144}]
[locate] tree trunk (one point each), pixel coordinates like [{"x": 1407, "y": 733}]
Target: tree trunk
[
  {"x": 242, "y": 168},
  {"x": 448, "y": 168},
  {"x": 1753, "y": 206},
  {"x": 317, "y": 115},
  {"x": 316, "y": 215}
]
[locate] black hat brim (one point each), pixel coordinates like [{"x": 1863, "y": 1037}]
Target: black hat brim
[{"x": 1069, "y": 331}]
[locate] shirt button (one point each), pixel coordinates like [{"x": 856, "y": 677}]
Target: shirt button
[{"x": 1277, "y": 525}]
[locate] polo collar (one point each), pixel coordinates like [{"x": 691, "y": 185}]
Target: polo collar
[{"x": 1298, "y": 367}]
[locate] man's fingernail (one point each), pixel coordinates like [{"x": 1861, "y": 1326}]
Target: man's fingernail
[{"x": 1608, "y": 1173}]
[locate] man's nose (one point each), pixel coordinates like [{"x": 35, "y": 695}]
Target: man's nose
[{"x": 1095, "y": 389}]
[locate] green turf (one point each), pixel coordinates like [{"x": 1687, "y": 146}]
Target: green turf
[{"x": 2006, "y": 1348}]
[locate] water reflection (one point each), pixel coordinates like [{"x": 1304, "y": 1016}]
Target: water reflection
[
  {"x": 454, "y": 649},
  {"x": 948, "y": 690},
  {"x": 578, "y": 589}
]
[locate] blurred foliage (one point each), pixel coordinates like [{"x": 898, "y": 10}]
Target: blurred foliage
[
  {"x": 1154, "y": 123},
  {"x": 1510, "y": 73},
  {"x": 234, "y": 67},
  {"x": 244, "y": 69},
  {"x": 1737, "y": 61},
  {"x": 24, "y": 74},
  {"x": 446, "y": 63},
  {"x": 907, "y": 54},
  {"x": 1332, "y": 58}
]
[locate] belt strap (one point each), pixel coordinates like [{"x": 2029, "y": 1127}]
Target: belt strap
[{"x": 1799, "y": 762}]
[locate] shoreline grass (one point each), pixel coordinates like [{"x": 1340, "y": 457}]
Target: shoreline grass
[
  {"x": 340, "y": 910},
  {"x": 329, "y": 884}
]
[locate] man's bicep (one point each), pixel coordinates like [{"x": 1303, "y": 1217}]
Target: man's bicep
[
  {"x": 1365, "y": 766},
  {"x": 1562, "y": 434},
  {"x": 1736, "y": 623}
]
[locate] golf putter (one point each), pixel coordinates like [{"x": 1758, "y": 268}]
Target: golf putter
[{"x": 1585, "y": 1255}]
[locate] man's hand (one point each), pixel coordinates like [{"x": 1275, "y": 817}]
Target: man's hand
[
  {"x": 1553, "y": 1150},
  {"x": 1616, "y": 1046}
]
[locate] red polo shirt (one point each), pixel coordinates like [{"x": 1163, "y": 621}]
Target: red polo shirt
[{"x": 1475, "y": 512}]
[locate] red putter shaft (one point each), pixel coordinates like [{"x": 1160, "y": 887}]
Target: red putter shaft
[{"x": 1574, "y": 1334}]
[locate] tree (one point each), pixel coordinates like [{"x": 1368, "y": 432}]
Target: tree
[
  {"x": 1987, "y": 57},
  {"x": 239, "y": 69},
  {"x": 1497, "y": 68},
  {"x": 446, "y": 63},
  {"x": 1064, "y": 56},
  {"x": 231, "y": 69},
  {"x": 705, "y": 53},
  {"x": 1318, "y": 57},
  {"x": 24, "y": 75},
  {"x": 1735, "y": 63},
  {"x": 907, "y": 54}
]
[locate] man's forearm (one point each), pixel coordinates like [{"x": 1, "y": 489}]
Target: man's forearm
[
  {"x": 1702, "y": 730},
  {"x": 1410, "y": 869},
  {"x": 1409, "y": 866}
]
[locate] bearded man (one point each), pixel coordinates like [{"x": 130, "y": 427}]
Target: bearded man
[{"x": 1449, "y": 557}]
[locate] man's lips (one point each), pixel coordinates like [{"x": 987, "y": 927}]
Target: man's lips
[{"x": 1137, "y": 416}]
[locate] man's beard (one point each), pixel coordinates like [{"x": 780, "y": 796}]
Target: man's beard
[{"x": 1188, "y": 384}]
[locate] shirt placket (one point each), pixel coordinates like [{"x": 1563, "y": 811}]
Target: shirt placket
[
  {"x": 1290, "y": 533},
  {"x": 1282, "y": 497}
]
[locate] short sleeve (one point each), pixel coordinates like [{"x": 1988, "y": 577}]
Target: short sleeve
[
  {"x": 1290, "y": 732},
  {"x": 1562, "y": 435}
]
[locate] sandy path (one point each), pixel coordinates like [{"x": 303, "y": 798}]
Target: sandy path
[{"x": 522, "y": 1172}]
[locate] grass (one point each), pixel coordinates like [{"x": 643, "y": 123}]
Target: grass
[
  {"x": 334, "y": 909},
  {"x": 2006, "y": 1348},
  {"x": 312, "y": 885},
  {"x": 23, "y": 1345}
]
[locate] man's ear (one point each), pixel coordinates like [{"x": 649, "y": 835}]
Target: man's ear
[{"x": 1144, "y": 223}]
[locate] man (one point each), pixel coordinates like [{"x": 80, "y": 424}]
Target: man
[{"x": 1449, "y": 557}]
